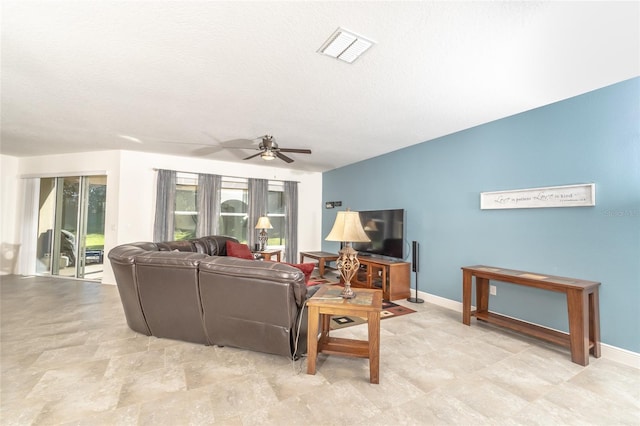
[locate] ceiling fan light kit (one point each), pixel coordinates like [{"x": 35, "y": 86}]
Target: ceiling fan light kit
[
  {"x": 268, "y": 156},
  {"x": 269, "y": 150}
]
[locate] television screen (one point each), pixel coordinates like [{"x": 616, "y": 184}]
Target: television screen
[{"x": 385, "y": 228}]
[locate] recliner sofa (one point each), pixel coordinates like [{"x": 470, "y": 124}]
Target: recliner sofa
[{"x": 191, "y": 291}]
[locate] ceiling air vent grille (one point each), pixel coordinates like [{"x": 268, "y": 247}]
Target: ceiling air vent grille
[{"x": 345, "y": 45}]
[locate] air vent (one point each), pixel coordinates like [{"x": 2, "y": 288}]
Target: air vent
[{"x": 345, "y": 45}]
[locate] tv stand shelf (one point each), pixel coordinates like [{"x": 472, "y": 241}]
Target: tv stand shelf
[{"x": 392, "y": 277}]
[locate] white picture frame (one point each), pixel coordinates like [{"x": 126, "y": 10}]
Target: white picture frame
[{"x": 580, "y": 195}]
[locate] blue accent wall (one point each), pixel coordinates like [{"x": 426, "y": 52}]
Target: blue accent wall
[{"x": 591, "y": 138}]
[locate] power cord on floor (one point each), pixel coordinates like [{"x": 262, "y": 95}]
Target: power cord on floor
[{"x": 296, "y": 341}]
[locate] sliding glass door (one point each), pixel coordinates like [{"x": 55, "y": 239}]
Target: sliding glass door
[{"x": 71, "y": 226}]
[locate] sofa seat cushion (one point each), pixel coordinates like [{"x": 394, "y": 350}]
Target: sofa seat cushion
[{"x": 239, "y": 250}]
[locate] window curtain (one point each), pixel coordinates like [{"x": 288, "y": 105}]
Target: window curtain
[
  {"x": 165, "y": 206},
  {"x": 208, "y": 200},
  {"x": 258, "y": 202},
  {"x": 29, "y": 238},
  {"x": 291, "y": 220}
]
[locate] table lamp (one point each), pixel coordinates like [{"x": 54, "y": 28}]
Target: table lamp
[
  {"x": 347, "y": 229},
  {"x": 263, "y": 224}
]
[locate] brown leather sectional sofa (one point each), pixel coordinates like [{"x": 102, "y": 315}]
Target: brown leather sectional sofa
[{"x": 191, "y": 291}]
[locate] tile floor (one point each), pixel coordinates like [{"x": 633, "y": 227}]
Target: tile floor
[{"x": 68, "y": 358}]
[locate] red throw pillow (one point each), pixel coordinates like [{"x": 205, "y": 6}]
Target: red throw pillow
[
  {"x": 239, "y": 250},
  {"x": 306, "y": 268}
]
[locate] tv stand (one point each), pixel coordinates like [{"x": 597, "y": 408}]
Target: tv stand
[{"x": 392, "y": 277}]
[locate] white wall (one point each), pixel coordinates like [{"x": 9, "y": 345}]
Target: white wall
[
  {"x": 131, "y": 190},
  {"x": 9, "y": 202}
]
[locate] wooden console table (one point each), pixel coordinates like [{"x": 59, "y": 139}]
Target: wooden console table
[{"x": 582, "y": 306}]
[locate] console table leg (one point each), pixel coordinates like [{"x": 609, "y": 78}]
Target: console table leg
[
  {"x": 578, "y": 307},
  {"x": 466, "y": 297},
  {"x": 594, "y": 322},
  {"x": 482, "y": 295},
  {"x": 312, "y": 340}
]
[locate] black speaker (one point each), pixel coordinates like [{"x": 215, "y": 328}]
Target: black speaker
[
  {"x": 415, "y": 255},
  {"x": 415, "y": 248}
]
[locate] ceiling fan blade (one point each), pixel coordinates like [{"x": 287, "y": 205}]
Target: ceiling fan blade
[
  {"x": 251, "y": 156},
  {"x": 283, "y": 157},
  {"x": 240, "y": 141},
  {"x": 179, "y": 142},
  {"x": 207, "y": 150},
  {"x": 299, "y": 151}
]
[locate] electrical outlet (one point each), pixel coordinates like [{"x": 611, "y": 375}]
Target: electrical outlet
[{"x": 493, "y": 290}]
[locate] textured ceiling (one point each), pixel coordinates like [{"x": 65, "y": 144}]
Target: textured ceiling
[{"x": 190, "y": 78}]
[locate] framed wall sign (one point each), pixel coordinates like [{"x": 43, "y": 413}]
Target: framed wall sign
[{"x": 581, "y": 195}]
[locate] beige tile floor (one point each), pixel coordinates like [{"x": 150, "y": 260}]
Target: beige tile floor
[{"x": 68, "y": 358}]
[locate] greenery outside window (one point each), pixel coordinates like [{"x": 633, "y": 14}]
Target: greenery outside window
[
  {"x": 234, "y": 199},
  {"x": 276, "y": 213},
  {"x": 186, "y": 211}
]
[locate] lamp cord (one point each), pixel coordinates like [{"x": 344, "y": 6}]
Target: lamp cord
[{"x": 295, "y": 345}]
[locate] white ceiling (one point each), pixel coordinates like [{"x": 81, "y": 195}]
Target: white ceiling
[{"x": 77, "y": 74}]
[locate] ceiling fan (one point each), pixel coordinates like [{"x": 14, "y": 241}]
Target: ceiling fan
[{"x": 269, "y": 150}]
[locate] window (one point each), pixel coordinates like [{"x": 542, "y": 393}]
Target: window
[
  {"x": 276, "y": 214},
  {"x": 186, "y": 212},
  {"x": 234, "y": 198},
  {"x": 234, "y": 201}
]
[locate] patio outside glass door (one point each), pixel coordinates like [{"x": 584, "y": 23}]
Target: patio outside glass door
[{"x": 71, "y": 226}]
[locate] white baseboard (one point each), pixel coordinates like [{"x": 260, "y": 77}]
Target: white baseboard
[{"x": 623, "y": 356}]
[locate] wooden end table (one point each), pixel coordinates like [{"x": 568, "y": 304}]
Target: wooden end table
[
  {"x": 269, "y": 253},
  {"x": 321, "y": 256},
  {"x": 327, "y": 302}
]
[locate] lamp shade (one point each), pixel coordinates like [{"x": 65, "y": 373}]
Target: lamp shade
[
  {"x": 348, "y": 228},
  {"x": 263, "y": 223}
]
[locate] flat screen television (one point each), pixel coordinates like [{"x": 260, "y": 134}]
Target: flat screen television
[{"x": 385, "y": 228}]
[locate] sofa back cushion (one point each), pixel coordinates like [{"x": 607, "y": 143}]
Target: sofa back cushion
[
  {"x": 177, "y": 246},
  {"x": 213, "y": 245},
  {"x": 251, "y": 305},
  {"x": 239, "y": 250},
  {"x": 169, "y": 294}
]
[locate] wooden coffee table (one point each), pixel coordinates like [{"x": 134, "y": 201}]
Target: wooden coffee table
[
  {"x": 327, "y": 302},
  {"x": 321, "y": 256}
]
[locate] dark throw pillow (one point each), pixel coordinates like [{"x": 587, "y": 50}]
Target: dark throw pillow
[
  {"x": 239, "y": 250},
  {"x": 306, "y": 268}
]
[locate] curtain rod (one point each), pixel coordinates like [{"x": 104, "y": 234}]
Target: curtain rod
[
  {"x": 64, "y": 174},
  {"x": 155, "y": 169}
]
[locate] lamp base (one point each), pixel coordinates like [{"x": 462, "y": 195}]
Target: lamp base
[
  {"x": 414, "y": 300},
  {"x": 262, "y": 239},
  {"x": 347, "y": 293},
  {"x": 348, "y": 265}
]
